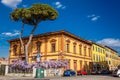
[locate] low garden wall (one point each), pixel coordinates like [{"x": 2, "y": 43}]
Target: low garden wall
[{"x": 47, "y": 72}]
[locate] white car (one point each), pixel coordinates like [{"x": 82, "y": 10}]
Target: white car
[{"x": 116, "y": 72}]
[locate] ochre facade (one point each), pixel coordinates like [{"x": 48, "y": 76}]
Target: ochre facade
[
  {"x": 98, "y": 53},
  {"x": 60, "y": 45},
  {"x": 112, "y": 58}
]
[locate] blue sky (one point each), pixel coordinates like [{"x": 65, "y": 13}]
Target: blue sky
[{"x": 96, "y": 20}]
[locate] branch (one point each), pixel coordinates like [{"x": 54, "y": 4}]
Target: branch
[
  {"x": 33, "y": 30},
  {"x": 35, "y": 26},
  {"x": 30, "y": 38},
  {"x": 31, "y": 35}
]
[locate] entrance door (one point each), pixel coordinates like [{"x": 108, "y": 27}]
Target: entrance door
[
  {"x": 75, "y": 65},
  {"x": 68, "y": 67},
  {"x": 80, "y": 64}
]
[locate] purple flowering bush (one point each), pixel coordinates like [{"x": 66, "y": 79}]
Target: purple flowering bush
[
  {"x": 51, "y": 64},
  {"x": 24, "y": 66},
  {"x": 20, "y": 66}
]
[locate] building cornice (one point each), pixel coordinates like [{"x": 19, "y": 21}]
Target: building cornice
[
  {"x": 54, "y": 33},
  {"x": 98, "y": 44}
]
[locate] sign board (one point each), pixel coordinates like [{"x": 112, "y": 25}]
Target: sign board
[{"x": 38, "y": 57}]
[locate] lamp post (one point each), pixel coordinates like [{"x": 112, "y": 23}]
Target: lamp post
[{"x": 59, "y": 54}]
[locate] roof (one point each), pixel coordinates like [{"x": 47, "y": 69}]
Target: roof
[
  {"x": 111, "y": 48},
  {"x": 98, "y": 44},
  {"x": 55, "y": 33}
]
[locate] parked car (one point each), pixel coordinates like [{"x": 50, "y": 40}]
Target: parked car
[
  {"x": 116, "y": 72},
  {"x": 105, "y": 72},
  {"x": 69, "y": 72},
  {"x": 81, "y": 72},
  {"x": 95, "y": 72}
]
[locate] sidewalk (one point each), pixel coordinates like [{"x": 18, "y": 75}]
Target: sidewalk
[{"x": 20, "y": 78}]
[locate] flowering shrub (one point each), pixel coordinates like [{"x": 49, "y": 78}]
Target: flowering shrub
[
  {"x": 51, "y": 64},
  {"x": 22, "y": 65}
]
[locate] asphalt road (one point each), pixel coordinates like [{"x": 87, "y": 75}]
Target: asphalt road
[
  {"x": 84, "y": 77},
  {"x": 87, "y": 77}
]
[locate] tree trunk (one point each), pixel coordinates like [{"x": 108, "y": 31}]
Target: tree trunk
[
  {"x": 29, "y": 41},
  {"x": 21, "y": 41},
  {"x": 25, "y": 48},
  {"x": 22, "y": 46},
  {"x": 27, "y": 45}
]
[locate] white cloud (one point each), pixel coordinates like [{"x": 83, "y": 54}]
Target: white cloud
[
  {"x": 10, "y": 34},
  {"x": 93, "y": 17},
  {"x": 111, "y": 42},
  {"x": 11, "y": 3},
  {"x": 24, "y": 6},
  {"x": 63, "y": 7},
  {"x": 59, "y": 5}
]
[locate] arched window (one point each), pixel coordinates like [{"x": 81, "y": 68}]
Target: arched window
[
  {"x": 68, "y": 45},
  {"x": 74, "y": 47},
  {"x": 89, "y": 51},
  {"x": 38, "y": 47},
  {"x": 80, "y": 49},
  {"x": 15, "y": 50},
  {"x": 84, "y": 50},
  {"x": 53, "y": 45}
]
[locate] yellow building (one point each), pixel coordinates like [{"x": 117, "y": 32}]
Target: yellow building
[
  {"x": 3, "y": 61},
  {"x": 112, "y": 58},
  {"x": 55, "y": 46},
  {"x": 98, "y": 53}
]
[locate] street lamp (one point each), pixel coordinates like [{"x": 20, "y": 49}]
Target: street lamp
[{"x": 59, "y": 53}]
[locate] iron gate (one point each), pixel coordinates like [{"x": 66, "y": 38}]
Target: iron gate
[{"x": 2, "y": 69}]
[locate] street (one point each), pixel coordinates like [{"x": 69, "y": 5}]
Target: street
[
  {"x": 84, "y": 77},
  {"x": 87, "y": 77}
]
